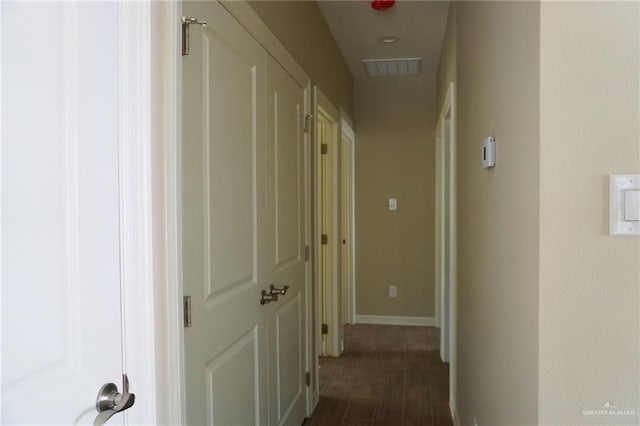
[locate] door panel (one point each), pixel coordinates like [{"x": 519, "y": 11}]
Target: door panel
[
  {"x": 230, "y": 205},
  {"x": 61, "y": 319},
  {"x": 286, "y": 122},
  {"x": 285, "y": 223},
  {"x": 288, "y": 341},
  {"x": 229, "y": 376},
  {"x": 223, "y": 224},
  {"x": 243, "y": 199}
]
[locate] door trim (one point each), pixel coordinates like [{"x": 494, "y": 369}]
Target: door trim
[
  {"x": 313, "y": 390},
  {"x": 136, "y": 209},
  {"x": 447, "y": 114},
  {"x": 166, "y": 121},
  {"x": 350, "y": 301}
]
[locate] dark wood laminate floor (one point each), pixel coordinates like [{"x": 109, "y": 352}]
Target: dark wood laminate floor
[{"x": 387, "y": 376}]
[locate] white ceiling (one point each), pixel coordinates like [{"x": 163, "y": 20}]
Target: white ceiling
[{"x": 357, "y": 27}]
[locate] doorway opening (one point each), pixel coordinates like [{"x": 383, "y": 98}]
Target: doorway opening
[{"x": 327, "y": 225}]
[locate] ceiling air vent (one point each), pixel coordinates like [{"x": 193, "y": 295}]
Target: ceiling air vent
[{"x": 401, "y": 67}]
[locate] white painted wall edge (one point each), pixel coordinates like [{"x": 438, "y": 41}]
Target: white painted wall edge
[
  {"x": 136, "y": 210},
  {"x": 347, "y": 130},
  {"x": 391, "y": 320},
  {"x": 454, "y": 413}
]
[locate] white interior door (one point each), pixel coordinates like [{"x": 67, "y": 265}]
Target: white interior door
[
  {"x": 286, "y": 193},
  {"x": 243, "y": 198},
  {"x": 61, "y": 315},
  {"x": 223, "y": 198},
  {"x": 328, "y": 225}
]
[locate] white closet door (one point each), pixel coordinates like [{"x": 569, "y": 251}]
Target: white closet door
[
  {"x": 243, "y": 197},
  {"x": 286, "y": 237},
  {"x": 223, "y": 198}
]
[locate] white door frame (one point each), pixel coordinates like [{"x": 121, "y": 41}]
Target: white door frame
[
  {"x": 350, "y": 300},
  {"x": 166, "y": 130},
  {"x": 446, "y": 310},
  {"x": 137, "y": 209}
]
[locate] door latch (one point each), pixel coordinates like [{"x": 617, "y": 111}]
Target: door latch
[{"x": 110, "y": 401}]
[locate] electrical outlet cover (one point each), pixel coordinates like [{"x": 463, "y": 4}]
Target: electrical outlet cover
[{"x": 393, "y": 291}]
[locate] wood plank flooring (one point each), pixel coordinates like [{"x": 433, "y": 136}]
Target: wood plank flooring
[{"x": 387, "y": 376}]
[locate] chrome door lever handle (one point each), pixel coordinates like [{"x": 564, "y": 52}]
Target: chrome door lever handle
[
  {"x": 110, "y": 401},
  {"x": 267, "y": 297},
  {"x": 279, "y": 291}
]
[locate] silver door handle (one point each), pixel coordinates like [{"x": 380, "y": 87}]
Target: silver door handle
[
  {"x": 279, "y": 291},
  {"x": 267, "y": 297},
  {"x": 110, "y": 401}
]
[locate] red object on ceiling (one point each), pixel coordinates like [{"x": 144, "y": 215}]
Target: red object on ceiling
[{"x": 382, "y": 4}]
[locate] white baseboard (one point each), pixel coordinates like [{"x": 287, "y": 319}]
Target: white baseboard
[
  {"x": 390, "y": 320},
  {"x": 454, "y": 413}
]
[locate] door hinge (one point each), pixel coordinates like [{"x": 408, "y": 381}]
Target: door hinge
[
  {"x": 324, "y": 239},
  {"x": 307, "y": 253},
  {"x": 186, "y": 305},
  {"x": 185, "y": 32},
  {"x": 307, "y": 379},
  {"x": 324, "y": 149},
  {"x": 307, "y": 122},
  {"x": 325, "y": 328}
]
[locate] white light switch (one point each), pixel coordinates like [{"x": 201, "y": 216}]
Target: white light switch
[
  {"x": 624, "y": 205},
  {"x": 393, "y": 204},
  {"x": 632, "y": 205}
]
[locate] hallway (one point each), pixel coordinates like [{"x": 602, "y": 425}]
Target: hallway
[{"x": 387, "y": 375}]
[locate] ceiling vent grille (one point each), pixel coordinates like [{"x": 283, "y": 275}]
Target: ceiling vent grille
[{"x": 401, "y": 67}]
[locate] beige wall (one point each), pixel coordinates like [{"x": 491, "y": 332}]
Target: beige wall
[
  {"x": 585, "y": 349},
  {"x": 395, "y": 159},
  {"x": 589, "y": 281},
  {"x": 301, "y": 28},
  {"x": 497, "y": 94}
]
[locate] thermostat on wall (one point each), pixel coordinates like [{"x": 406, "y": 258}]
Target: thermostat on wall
[{"x": 489, "y": 153}]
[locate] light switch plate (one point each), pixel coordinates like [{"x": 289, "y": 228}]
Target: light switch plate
[
  {"x": 624, "y": 205},
  {"x": 393, "y": 204}
]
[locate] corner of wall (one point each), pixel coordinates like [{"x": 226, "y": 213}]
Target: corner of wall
[{"x": 497, "y": 86}]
